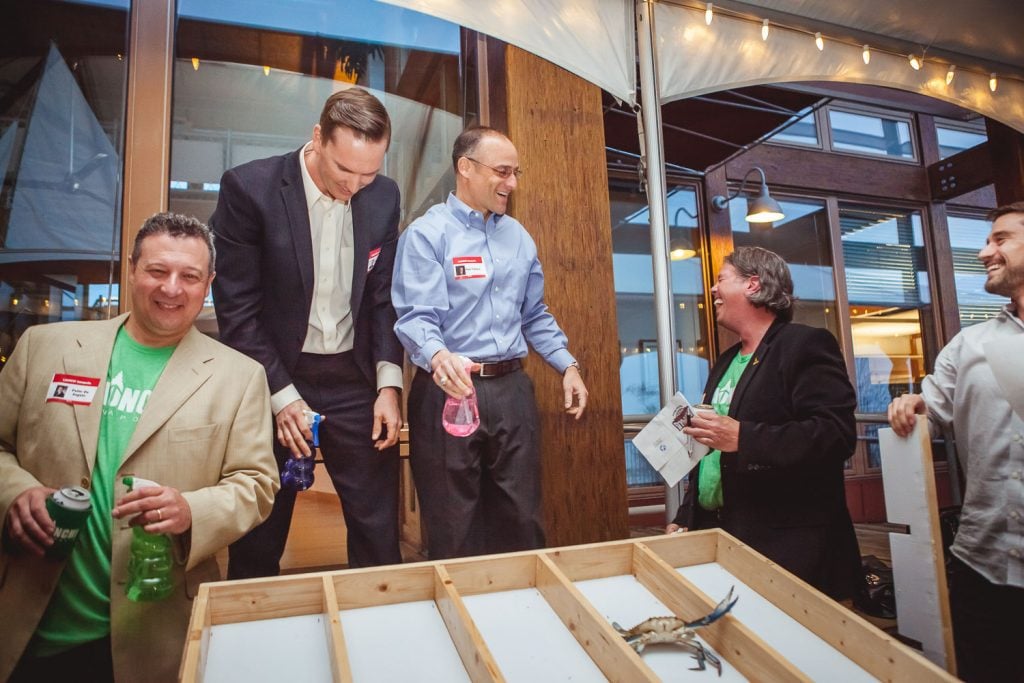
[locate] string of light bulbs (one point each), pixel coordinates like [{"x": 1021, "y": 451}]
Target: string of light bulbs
[{"x": 916, "y": 61}]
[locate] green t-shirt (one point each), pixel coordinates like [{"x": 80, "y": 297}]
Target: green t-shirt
[
  {"x": 709, "y": 476},
  {"x": 79, "y": 611}
]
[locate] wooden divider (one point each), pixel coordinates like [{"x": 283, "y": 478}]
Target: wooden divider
[
  {"x": 197, "y": 640},
  {"x": 592, "y": 631},
  {"x": 374, "y": 587},
  {"x": 733, "y": 640},
  {"x": 475, "y": 655},
  {"x": 232, "y": 602},
  {"x": 876, "y": 652},
  {"x": 341, "y": 672}
]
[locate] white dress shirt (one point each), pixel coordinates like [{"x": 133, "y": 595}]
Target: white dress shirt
[{"x": 330, "y": 329}]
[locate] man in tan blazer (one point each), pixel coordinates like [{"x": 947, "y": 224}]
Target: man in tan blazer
[{"x": 200, "y": 428}]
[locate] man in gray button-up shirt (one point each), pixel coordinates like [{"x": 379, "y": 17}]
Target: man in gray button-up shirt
[{"x": 978, "y": 388}]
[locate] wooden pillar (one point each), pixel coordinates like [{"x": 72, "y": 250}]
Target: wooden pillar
[
  {"x": 555, "y": 120},
  {"x": 721, "y": 245},
  {"x": 1006, "y": 146},
  {"x": 943, "y": 275},
  {"x": 147, "y": 145}
]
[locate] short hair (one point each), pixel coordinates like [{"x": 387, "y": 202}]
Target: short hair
[
  {"x": 776, "y": 293},
  {"x": 999, "y": 212},
  {"x": 175, "y": 225},
  {"x": 465, "y": 144},
  {"x": 357, "y": 110}
]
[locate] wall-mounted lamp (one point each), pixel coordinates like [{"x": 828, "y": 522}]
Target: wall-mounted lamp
[
  {"x": 681, "y": 249},
  {"x": 760, "y": 209}
]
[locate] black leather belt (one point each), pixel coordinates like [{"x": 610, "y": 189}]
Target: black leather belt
[{"x": 500, "y": 368}]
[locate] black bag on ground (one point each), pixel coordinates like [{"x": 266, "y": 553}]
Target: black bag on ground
[{"x": 877, "y": 596}]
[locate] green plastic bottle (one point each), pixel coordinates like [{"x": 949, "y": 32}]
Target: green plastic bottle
[{"x": 151, "y": 564}]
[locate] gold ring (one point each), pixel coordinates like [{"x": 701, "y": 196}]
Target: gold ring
[{"x": 159, "y": 515}]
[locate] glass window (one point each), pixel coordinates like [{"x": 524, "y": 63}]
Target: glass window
[
  {"x": 870, "y": 134},
  {"x": 803, "y": 131},
  {"x": 967, "y": 237},
  {"x": 62, "y": 103},
  {"x": 956, "y": 139},
  {"x": 802, "y": 239},
  {"x": 634, "y": 295},
  {"x": 890, "y": 306},
  {"x": 251, "y": 79}
]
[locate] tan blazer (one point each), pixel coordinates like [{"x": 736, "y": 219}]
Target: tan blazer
[{"x": 206, "y": 431}]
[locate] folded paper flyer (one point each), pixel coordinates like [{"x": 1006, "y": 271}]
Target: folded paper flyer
[{"x": 663, "y": 443}]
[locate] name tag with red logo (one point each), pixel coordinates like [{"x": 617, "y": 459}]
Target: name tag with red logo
[
  {"x": 374, "y": 253},
  {"x": 72, "y": 389},
  {"x": 468, "y": 267}
]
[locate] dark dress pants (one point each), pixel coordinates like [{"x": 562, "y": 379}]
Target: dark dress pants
[
  {"x": 478, "y": 494},
  {"x": 986, "y": 627},
  {"x": 365, "y": 479}
]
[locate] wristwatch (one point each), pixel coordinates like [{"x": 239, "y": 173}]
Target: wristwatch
[{"x": 574, "y": 364}]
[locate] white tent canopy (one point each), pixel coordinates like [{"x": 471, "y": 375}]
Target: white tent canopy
[{"x": 591, "y": 38}]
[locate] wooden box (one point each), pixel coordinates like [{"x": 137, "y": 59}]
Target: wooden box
[{"x": 539, "y": 616}]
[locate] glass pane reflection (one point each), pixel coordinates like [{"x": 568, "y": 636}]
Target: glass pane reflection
[
  {"x": 967, "y": 237},
  {"x": 802, "y": 239},
  {"x": 245, "y": 92},
  {"x": 62, "y": 103},
  {"x": 634, "y": 295},
  {"x": 890, "y": 305}
]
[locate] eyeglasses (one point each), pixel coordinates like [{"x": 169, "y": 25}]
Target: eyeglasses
[{"x": 502, "y": 171}]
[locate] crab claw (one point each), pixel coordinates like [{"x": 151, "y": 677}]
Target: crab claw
[{"x": 721, "y": 609}]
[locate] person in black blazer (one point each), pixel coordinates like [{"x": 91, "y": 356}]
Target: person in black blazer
[
  {"x": 305, "y": 248},
  {"x": 789, "y": 429}
]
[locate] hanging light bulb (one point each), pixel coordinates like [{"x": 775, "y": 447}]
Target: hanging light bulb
[
  {"x": 866, "y": 54},
  {"x": 764, "y": 30},
  {"x": 709, "y": 14},
  {"x": 950, "y": 73},
  {"x": 266, "y": 70},
  {"x": 195, "y": 63},
  {"x": 818, "y": 41},
  {"x": 993, "y": 82},
  {"x": 915, "y": 62}
]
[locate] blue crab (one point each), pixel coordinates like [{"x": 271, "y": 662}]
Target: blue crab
[{"x": 678, "y": 632}]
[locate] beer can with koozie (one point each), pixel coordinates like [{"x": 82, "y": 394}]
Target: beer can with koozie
[{"x": 68, "y": 508}]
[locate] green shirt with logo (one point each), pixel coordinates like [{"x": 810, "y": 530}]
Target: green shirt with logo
[
  {"x": 709, "y": 476},
  {"x": 79, "y": 611}
]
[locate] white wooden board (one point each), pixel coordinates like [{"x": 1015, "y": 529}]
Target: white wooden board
[
  {"x": 917, "y": 556},
  {"x": 528, "y": 640},
  {"x": 271, "y": 651},
  {"x": 805, "y": 650},
  {"x": 402, "y": 642}
]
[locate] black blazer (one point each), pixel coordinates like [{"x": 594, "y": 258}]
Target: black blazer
[
  {"x": 264, "y": 285},
  {"x": 783, "y": 490}
]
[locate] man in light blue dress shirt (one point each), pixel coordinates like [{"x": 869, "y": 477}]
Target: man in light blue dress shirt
[
  {"x": 468, "y": 285},
  {"x": 978, "y": 388}
]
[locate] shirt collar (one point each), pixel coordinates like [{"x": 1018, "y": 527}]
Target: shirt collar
[
  {"x": 468, "y": 216},
  {"x": 313, "y": 193}
]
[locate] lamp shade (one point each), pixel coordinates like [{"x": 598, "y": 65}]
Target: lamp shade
[{"x": 764, "y": 209}]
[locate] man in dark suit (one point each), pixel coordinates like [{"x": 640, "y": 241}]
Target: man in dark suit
[
  {"x": 782, "y": 428},
  {"x": 305, "y": 248}
]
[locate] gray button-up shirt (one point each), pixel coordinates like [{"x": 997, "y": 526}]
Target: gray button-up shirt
[{"x": 964, "y": 392}]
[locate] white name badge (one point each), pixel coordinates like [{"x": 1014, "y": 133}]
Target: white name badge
[
  {"x": 72, "y": 389},
  {"x": 468, "y": 267},
  {"x": 372, "y": 261}
]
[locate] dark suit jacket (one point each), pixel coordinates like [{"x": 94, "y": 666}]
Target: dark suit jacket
[
  {"x": 264, "y": 285},
  {"x": 783, "y": 490}
]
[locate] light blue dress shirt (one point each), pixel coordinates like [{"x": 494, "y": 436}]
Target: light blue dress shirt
[{"x": 473, "y": 287}]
